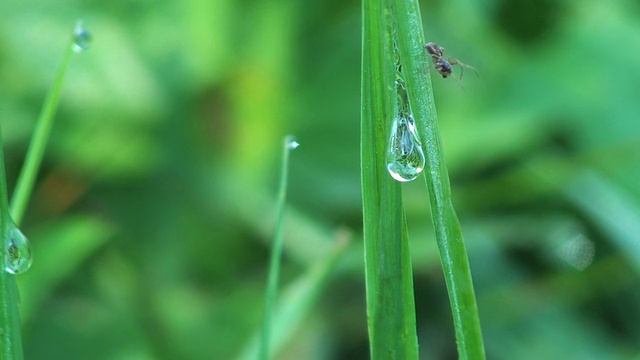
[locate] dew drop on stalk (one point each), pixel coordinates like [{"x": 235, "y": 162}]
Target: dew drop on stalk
[
  {"x": 291, "y": 142},
  {"x": 17, "y": 251},
  {"x": 405, "y": 158},
  {"x": 81, "y": 38}
]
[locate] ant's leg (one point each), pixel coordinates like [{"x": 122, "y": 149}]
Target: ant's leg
[
  {"x": 462, "y": 66},
  {"x": 459, "y": 82}
]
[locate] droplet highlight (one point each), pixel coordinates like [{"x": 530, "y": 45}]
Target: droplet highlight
[
  {"x": 405, "y": 157},
  {"x": 291, "y": 142},
  {"x": 578, "y": 252},
  {"x": 17, "y": 251},
  {"x": 81, "y": 38}
]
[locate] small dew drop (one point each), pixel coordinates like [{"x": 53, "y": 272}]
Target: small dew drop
[
  {"x": 17, "y": 251},
  {"x": 291, "y": 142},
  {"x": 81, "y": 38}
]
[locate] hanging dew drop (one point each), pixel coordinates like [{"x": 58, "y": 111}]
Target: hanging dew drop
[
  {"x": 81, "y": 38},
  {"x": 17, "y": 251},
  {"x": 405, "y": 158}
]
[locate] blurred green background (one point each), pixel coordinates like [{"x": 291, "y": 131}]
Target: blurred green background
[{"x": 154, "y": 208}]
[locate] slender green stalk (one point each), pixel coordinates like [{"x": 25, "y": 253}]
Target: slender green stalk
[
  {"x": 10, "y": 338},
  {"x": 390, "y": 299},
  {"x": 448, "y": 233},
  {"x": 29, "y": 171},
  {"x": 276, "y": 252}
]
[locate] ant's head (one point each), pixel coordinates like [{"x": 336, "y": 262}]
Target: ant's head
[{"x": 434, "y": 49}]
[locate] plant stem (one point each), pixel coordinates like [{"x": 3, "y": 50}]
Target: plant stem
[
  {"x": 276, "y": 254},
  {"x": 33, "y": 159},
  {"x": 453, "y": 253},
  {"x": 390, "y": 299},
  {"x": 10, "y": 337}
]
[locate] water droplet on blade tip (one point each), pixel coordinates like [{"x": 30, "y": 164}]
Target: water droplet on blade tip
[
  {"x": 291, "y": 143},
  {"x": 81, "y": 38}
]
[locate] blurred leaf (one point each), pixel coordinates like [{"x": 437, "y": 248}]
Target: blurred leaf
[
  {"x": 298, "y": 299},
  {"x": 60, "y": 249}
]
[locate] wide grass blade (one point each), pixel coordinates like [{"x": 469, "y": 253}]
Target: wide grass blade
[
  {"x": 453, "y": 253},
  {"x": 389, "y": 282}
]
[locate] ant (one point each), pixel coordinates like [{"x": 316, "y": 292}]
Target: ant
[{"x": 445, "y": 66}]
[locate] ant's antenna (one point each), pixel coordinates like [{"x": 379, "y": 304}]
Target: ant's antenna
[{"x": 462, "y": 65}]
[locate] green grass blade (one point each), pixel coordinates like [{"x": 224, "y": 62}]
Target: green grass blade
[
  {"x": 389, "y": 282},
  {"x": 448, "y": 233},
  {"x": 10, "y": 338},
  {"x": 29, "y": 171},
  {"x": 276, "y": 252}
]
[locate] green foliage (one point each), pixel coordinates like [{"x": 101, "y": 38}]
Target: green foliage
[{"x": 160, "y": 177}]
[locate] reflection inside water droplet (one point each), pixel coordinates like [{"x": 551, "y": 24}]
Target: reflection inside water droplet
[
  {"x": 405, "y": 158},
  {"x": 17, "y": 251},
  {"x": 81, "y": 38}
]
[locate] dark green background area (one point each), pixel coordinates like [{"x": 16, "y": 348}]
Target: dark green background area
[{"x": 155, "y": 204}]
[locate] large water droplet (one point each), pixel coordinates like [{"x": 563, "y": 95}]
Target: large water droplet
[
  {"x": 405, "y": 158},
  {"x": 17, "y": 251},
  {"x": 81, "y": 38}
]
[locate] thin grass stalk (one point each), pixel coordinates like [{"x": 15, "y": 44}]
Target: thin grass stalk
[
  {"x": 10, "y": 337},
  {"x": 453, "y": 253},
  {"x": 276, "y": 253},
  {"x": 38, "y": 144},
  {"x": 389, "y": 282}
]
